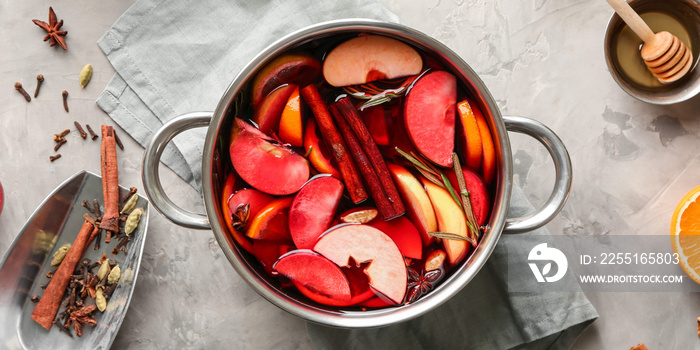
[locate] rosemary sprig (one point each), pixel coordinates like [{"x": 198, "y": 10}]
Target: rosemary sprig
[
  {"x": 311, "y": 147},
  {"x": 466, "y": 201},
  {"x": 447, "y": 235},
  {"x": 437, "y": 176}
]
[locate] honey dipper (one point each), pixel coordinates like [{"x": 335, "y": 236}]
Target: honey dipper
[{"x": 664, "y": 54}]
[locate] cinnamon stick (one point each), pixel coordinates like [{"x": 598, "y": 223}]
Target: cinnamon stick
[
  {"x": 385, "y": 208},
  {"x": 110, "y": 181},
  {"x": 47, "y": 307},
  {"x": 348, "y": 170},
  {"x": 352, "y": 117}
]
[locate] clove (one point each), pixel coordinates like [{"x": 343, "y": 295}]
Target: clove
[
  {"x": 65, "y": 100},
  {"x": 52, "y": 158},
  {"x": 19, "y": 88},
  {"x": 93, "y": 136},
  {"x": 59, "y": 143},
  {"x": 79, "y": 127},
  {"x": 39, "y": 80}
]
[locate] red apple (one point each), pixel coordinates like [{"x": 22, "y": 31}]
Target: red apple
[
  {"x": 429, "y": 116},
  {"x": 268, "y": 113},
  {"x": 255, "y": 200},
  {"x": 315, "y": 276},
  {"x": 404, "y": 234},
  {"x": 478, "y": 194},
  {"x": 271, "y": 222},
  {"x": 370, "y": 57},
  {"x": 418, "y": 206},
  {"x": 313, "y": 209},
  {"x": 226, "y": 195},
  {"x": 293, "y": 68},
  {"x": 376, "y": 302},
  {"x": 268, "y": 252},
  {"x": 386, "y": 271},
  {"x": 267, "y": 167}
]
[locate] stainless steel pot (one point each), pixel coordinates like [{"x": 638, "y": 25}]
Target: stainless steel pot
[{"x": 248, "y": 268}]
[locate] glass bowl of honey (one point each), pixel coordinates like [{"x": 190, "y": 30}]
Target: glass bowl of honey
[{"x": 622, "y": 50}]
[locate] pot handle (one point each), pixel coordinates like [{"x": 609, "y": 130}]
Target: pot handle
[
  {"x": 151, "y": 162},
  {"x": 562, "y": 166}
]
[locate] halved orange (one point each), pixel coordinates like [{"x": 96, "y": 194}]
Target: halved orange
[{"x": 685, "y": 233}]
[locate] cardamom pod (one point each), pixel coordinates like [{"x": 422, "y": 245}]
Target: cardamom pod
[
  {"x": 130, "y": 204},
  {"x": 59, "y": 255},
  {"x": 100, "y": 300},
  {"x": 114, "y": 275},
  {"x": 85, "y": 75},
  {"x": 132, "y": 221},
  {"x": 128, "y": 276},
  {"x": 104, "y": 270}
]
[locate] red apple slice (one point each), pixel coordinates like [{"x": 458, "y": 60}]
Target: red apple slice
[
  {"x": 418, "y": 206},
  {"x": 268, "y": 113},
  {"x": 315, "y": 276},
  {"x": 267, "y": 253},
  {"x": 359, "y": 289},
  {"x": 478, "y": 194},
  {"x": 270, "y": 168},
  {"x": 271, "y": 222},
  {"x": 404, "y": 234},
  {"x": 313, "y": 209},
  {"x": 386, "y": 271},
  {"x": 291, "y": 129},
  {"x": 376, "y": 302},
  {"x": 450, "y": 218},
  {"x": 226, "y": 195},
  {"x": 429, "y": 116},
  {"x": 319, "y": 153},
  {"x": 378, "y": 124},
  {"x": 370, "y": 57},
  {"x": 255, "y": 200},
  {"x": 297, "y": 68}
]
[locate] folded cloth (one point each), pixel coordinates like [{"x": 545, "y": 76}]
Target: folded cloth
[
  {"x": 484, "y": 315},
  {"x": 178, "y": 56}
]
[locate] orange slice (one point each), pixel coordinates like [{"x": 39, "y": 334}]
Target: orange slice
[
  {"x": 291, "y": 128},
  {"x": 227, "y": 193},
  {"x": 272, "y": 222},
  {"x": 471, "y": 136},
  {"x": 489, "y": 151},
  {"x": 685, "y": 233}
]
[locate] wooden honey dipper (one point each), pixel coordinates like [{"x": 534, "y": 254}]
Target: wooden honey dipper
[{"x": 664, "y": 54}]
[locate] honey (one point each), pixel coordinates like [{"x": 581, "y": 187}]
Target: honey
[{"x": 628, "y": 46}]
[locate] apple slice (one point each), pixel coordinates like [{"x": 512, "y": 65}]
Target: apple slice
[
  {"x": 291, "y": 127},
  {"x": 226, "y": 195},
  {"x": 370, "y": 57},
  {"x": 268, "y": 167},
  {"x": 297, "y": 68},
  {"x": 319, "y": 153},
  {"x": 429, "y": 116},
  {"x": 268, "y": 113},
  {"x": 404, "y": 234},
  {"x": 360, "y": 290},
  {"x": 386, "y": 271},
  {"x": 478, "y": 194},
  {"x": 378, "y": 123},
  {"x": 470, "y": 136},
  {"x": 271, "y": 222},
  {"x": 267, "y": 253},
  {"x": 450, "y": 219},
  {"x": 313, "y": 208},
  {"x": 418, "y": 206},
  {"x": 255, "y": 200},
  {"x": 315, "y": 276}
]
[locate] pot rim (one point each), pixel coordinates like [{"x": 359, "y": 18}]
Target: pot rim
[{"x": 460, "y": 276}]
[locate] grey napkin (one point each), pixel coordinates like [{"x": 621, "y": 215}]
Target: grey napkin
[
  {"x": 178, "y": 56},
  {"x": 484, "y": 315}
]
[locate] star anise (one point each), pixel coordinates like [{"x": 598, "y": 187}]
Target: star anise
[
  {"x": 81, "y": 317},
  {"x": 52, "y": 28},
  {"x": 240, "y": 217},
  {"x": 420, "y": 283}
]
